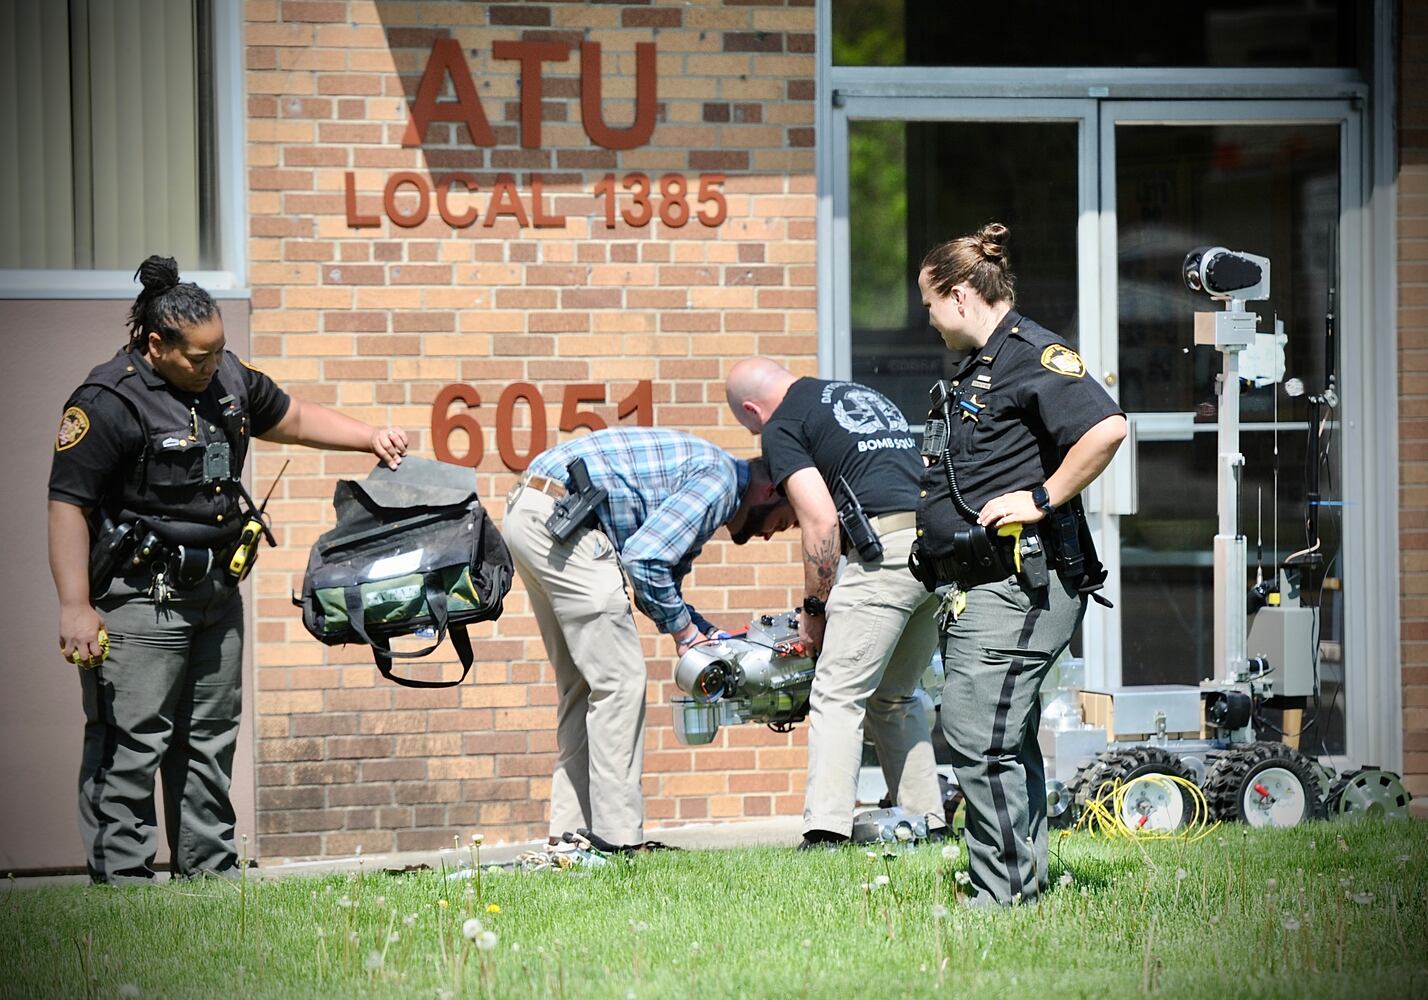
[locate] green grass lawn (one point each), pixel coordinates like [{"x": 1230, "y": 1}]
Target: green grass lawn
[{"x": 1327, "y": 910}]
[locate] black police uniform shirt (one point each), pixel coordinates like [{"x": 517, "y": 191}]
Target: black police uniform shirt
[
  {"x": 848, "y": 430},
  {"x": 129, "y": 439},
  {"x": 1018, "y": 405}
]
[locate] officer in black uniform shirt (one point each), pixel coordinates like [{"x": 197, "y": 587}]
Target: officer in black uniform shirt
[
  {"x": 829, "y": 443},
  {"x": 145, "y": 507},
  {"x": 1026, "y": 430}
]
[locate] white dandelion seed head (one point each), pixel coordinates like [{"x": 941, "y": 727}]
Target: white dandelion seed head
[
  {"x": 1402, "y": 859},
  {"x": 871, "y": 855},
  {"x": 394, "y": 936},
  {"x": 694, "y": 947},
  {"x": 639, "y": 926},
  {"x": 381, "y": 901},
  {"x": 1271, "y": 885},
  {"x": 314, "y": 895},
  {"x": 807, "y": 944},
  {"x": 515, "y": 946},
  {"x": 131, "y": 990},
  {"x": 940, "y": 912},
  {"x": 962, "y": 878},
  {"x": 951, "y": 852},
  {"x": 1290, "y": 924},
  {"x": 327, "y": 890},
  {"x": 1214, "y": 919},
  {"x": 1016, "y": 899},
  {"x": 321, "y": 933},
  {"x": 1085, "y": 892},
  {"x": 1362, "y": 898},
  {"x": 471, "y": 928},
  {"x": 374, "y": 960},
  {"x": 1066, "y": 879},
  {"x": 477, "y": 839},
  {"x": 486, "y": 941},
  {"x": 1181, "y": 874},
  {"x": 1313, "y": 844},
  {"x": 352, "y": 937},
  {"x": 409, "y": 919},
  {"x": 866, "y": 886},
  {"x": 881, "y": 880},
  {"x": 344, "y": 902},
  {"x": 629, "y": 995}
]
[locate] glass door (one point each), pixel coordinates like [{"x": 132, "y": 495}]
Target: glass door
[{"x": 1268, "y": 178}]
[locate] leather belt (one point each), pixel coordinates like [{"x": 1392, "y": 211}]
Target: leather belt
[
  {"x": 900, "y": 520},
  {"x": 550, "y": 487}
]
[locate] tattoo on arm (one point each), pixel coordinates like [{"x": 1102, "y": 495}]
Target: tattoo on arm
[{"x": 820, "y": 558}]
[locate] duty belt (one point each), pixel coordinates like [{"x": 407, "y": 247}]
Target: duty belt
[
  {"x": 886, "y": 524},
  {"x": 984, "y": 567}
]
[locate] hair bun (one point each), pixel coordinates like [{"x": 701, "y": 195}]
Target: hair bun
[
  {"x": 158, "y": 274},
  {"x": 992, "y": 239}
]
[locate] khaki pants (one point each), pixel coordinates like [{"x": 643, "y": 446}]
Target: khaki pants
[
  {"x": 165, "y": 702},
  {"x": 577, "y": 594},
  {"x": 879, "y": 640}
]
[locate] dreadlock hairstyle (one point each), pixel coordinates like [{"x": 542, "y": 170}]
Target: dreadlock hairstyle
[
  {"x": 166, "y": 305},
  {"x": 979, "y": 259}
]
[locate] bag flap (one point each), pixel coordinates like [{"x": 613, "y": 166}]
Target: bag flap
[{"x": 417, "y": 482}]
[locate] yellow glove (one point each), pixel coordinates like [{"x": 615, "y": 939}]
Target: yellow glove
[{"x": 89, "y": 664}]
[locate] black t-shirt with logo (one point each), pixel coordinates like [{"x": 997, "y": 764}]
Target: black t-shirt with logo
[
  {"x": 848, "y": 430},
  {"x": 1018, "y": 405}
]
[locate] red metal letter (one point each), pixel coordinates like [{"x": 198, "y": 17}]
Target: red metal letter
[
  {"x": 443, "y": 187},
  {"x": 538, "y": 216},
  {"x": 447, "y": 59},
  {"x": 505, "y": 200},
  {"x": 353, "y": 219},
  {"x": 591, "y": 112},
  {"x": 531, "y": 55},
  {"x": 423, "y": 206}
]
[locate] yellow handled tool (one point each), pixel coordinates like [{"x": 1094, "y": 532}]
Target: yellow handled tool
[
  {"x": 255, "y": 529},
  {"x": 1013, "y": 531}
]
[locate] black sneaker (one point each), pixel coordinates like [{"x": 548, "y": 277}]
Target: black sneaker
[{"x": 822, "y": 840}]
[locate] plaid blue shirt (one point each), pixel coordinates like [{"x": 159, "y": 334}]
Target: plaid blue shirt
[{"x": 669, "y": 492}]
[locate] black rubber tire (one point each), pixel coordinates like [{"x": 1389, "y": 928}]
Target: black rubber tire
[
  {"x": 1121, "y": 765},
  {"x": 1230, "y": 772},
  {"x": 1333, "y": 806}
]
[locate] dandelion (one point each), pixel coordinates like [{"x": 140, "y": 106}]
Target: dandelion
[
  {"x": 1402, "y": 859},
  {"x": 321, "y": 933},
  {"x": 374, "y": 961},
  {"x": 344, "y": 902},
  {"x": 940, "y": 912},
  {"x": 1290, "y": 924},
  {"x": 128, "y": 990},
  {"x": 807, "y": 944},
  {"x": 1271, "y": 885},
  {"x": 962, "y": 878},
  {"x": 871, "y": 855},
  {"x": 493, "y": 908},
  {"x": 1016, "y": 899},
  {"x": 1085, "y": 892},
  {"x": 486, "y": 941},
  {"x": 694, "y": 947},
  {"x": 951, "y": 852},
  {"x": 1066, "y": 880},
  {"x": 1313, "y": 844},
  {"x": 639, "y": 926},
  {"x": 515, "y": 946},
  {"x": 393, "y": 937},
  {"x": 1181, "y": 874},
  {"x": 1362, "y": 898},
  {"x": 442, "y": 903},
  {"x": 477, "y": 839},
  {"x": 352, "y": 937},
  {"x": 381, "y": 901},
  {"x": 1214, "y": 919},
  {"x": 471, "y": 929},
  {"x": 881, "y": 881},
  {"x": 409, "y": 919}
]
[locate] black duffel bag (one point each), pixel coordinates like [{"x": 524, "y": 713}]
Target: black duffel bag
[{"x": 413, "y": 551}]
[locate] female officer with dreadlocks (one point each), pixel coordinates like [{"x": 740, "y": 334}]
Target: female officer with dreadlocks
[
  {"x": 1025, "y": 431},
  {"x": 146, "y": 477}
]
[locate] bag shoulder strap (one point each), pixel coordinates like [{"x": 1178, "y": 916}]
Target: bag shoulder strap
[{"x": 382, "y": 651}]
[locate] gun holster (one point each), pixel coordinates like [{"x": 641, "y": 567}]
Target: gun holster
[
  {"x": 576, "y": 509},
  {"x": 111, "y": 547}
]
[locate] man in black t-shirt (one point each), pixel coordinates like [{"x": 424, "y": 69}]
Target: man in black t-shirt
[{"x": 874, "y": 627}]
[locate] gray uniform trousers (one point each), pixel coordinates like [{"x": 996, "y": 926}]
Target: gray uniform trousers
[
  {"x": 879, "y": 640},
  {"x": 998, "y": 653},
  {"x": 166, "y": 701}
]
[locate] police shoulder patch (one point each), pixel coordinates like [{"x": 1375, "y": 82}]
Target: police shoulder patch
[
  {"x": 1063, "y": 361},
  {"x": 73, "y": 426}
]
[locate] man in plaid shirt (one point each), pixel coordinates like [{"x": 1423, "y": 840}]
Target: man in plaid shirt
[{"x": 669, "y": 492}]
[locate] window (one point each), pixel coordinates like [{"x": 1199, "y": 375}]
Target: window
[{"x": 112, "y": 106}]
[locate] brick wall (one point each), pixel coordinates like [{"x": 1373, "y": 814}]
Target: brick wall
[
  {"x": 376, "y": 320},
  {"x": 1413, "y": 391}
]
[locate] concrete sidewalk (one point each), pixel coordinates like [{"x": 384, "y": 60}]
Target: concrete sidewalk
[{"x": 780, "y": 831}]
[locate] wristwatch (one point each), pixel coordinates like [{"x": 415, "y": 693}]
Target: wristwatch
[
  {"x": 814, "y": 606},
  {"x": 1042, "y": 499}
]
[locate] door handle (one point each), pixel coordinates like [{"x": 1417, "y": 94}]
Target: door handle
[{"x": 1122, "y": 490}]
